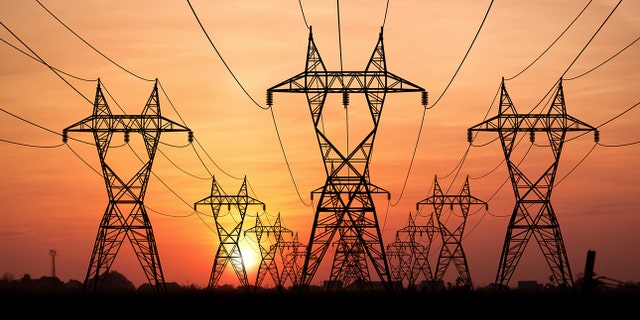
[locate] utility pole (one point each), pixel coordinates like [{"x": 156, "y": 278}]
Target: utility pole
[
  {"x": 345, "y": 207},
  {"x": 533, "y": 214},
  {"x": 126, "y": 215}
]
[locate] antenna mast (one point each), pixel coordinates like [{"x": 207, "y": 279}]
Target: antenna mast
[{"x": 52, "y": 253}]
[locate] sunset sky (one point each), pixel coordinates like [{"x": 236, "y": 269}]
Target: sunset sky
[{"x": 52, "y": 197}]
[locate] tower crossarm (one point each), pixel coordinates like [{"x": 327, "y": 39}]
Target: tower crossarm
[
  {"x": 533, "y": 123},
  {"x": 377, "y": 81},
  {"x": 276, "y": 230},
  {"x": 126, "y": 123},
  {"x": 346, "y": 184},
  {"x": 450, "y": 199},
  {"x": 412, "y": 230},
  {"x": 218, "y": 200}
]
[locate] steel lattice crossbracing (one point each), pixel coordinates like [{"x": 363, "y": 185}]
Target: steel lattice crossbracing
[
  {"x": 533, "y": 214},
  {"x": 345, "y": 207},
  {"x": 228, "y": 235},
  {"x": 125, "y": 216},
  {"x": 451, "y": 250}
]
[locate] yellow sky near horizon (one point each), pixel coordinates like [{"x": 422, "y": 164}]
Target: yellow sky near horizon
[{"x": 51, "y": 199}]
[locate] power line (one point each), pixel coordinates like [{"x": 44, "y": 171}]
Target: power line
[
  {"x": 83, "y": 160},
  {"x": 304, "y": 18},
  {"x": 458, "y": 167},
  {"x": 195, "y": 138},
  {"x": 577, "y": 164},
  {"x": 43, "y": 62},
  {"x": 465, "y": 56},
  {"x": 602, "y": 63},
  {"x": 39, "y": 61},
  {"x": 171, "y": 215},
  {"x": 339, "y": 33},
  {"x": 286, "y": 160},
  {"x": 413, "y": 156},
  {"x": 552, "y": 43},
  {"x": 29, "y": 122},
  {"x": 91, "y": 46},
  {"x": 608, "y": 121},
  {"x": 221, "y": 58},
  {"x": 31, "y": 145},
  {"x": 591, "y": 39},
  {"x": 36, "y": 125},
  {"x": 181, "y": 169},
  {"x": 619, "y": 145},
  {"x": 441, "y": 95},
  {"x": 548, "y": 94}
]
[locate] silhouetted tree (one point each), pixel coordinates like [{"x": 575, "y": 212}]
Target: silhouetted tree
[{"x": 115, "y": 282}]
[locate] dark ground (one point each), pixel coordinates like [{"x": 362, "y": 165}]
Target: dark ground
[
  {"x": 49, "y": 297},
  {"x": 609, "y": 305}
]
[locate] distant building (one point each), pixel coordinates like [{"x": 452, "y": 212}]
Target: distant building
[{"x": 530, "y": 286}]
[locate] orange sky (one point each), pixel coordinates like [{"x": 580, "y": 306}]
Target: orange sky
[{"x": 51, "y": 199}]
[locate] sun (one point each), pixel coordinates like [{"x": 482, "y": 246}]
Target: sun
[{"x": 250, "y": 257}]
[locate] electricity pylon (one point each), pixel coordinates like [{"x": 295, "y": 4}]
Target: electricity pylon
[
  {"x": 408, "y": 256},
  {"x": 420, "y": 249},
  {"x": 268, "y": 263},
  {"x": 451, "y": 250},
  {"x": 291, "y": 252},
  {"x": 533, "y": 214},
  {"x": 346, "y": 206},
  {"x": 126, "y": 215},
  {"x": 400, "y": 261},
  {"x": 229, "y": 231}
]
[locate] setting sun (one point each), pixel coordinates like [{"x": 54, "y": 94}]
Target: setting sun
[{"x": 250, "y": 256}]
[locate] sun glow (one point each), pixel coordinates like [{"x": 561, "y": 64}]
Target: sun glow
[{"x": 250, "y": 257}]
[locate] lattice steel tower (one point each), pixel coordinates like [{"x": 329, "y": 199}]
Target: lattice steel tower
[
  {"x": 411, "y": 253},
  {"x": 451, "y": 250},
  {"x": 229, "y": 231},
  {"x": 291, "y": 252},
  {"x": 533, "y": 214},
  {"x": 126, "y": 215},
  {"x": 268, "y": 255},
  {"x": 345, "y": 206}
]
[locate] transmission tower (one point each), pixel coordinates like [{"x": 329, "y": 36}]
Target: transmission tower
[
  {"x": 533, "y": 214},
  {"x": 125, "y": 215},
  {"x": 346, "y": 206},
  {"x": 451, "y": 250},
  {"x": 420, "y": 249},
  {"x": 268, "y": 256},
  {"x": 291, "y": 253},
  {"x": 229, "y": 231},
  {"x": 400, "y": 261}
]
